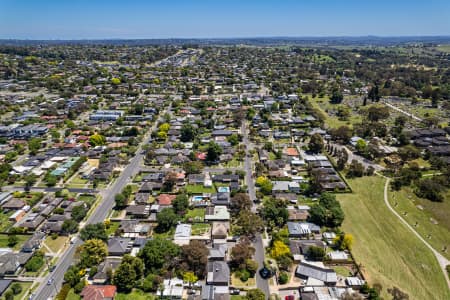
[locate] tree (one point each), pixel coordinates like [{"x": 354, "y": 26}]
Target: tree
[
  {"x": 336, "y": 96},
  {"x": 92, "y": 252},
  {"x": 73, "y": 275},
  {"x": 397, "y": 294},
  {"x": 151, "y": 283},
  {"x": 35, "y": 262},
  {"x": 69, "y": 226},
  {"x": 264, "y": 184},
  {"x": 213, "y": 152},
  {"x": 255, "y": 294},
  {"x": 124, "y": 278},
  {"x": 166, "y": 218},
  {"x": 97, "y": 140},
  {"x": 190, "y": 277},
  {"x": 430, "y": 189},
  {"x": 165, "y": 127},
  {"x": 120, "y": 200},
  {"x": 9, "y": 295},
  {"x": 344, "y": 241},
  {"x": 343, "y": 133},
  {"x": 94, "y": 231},
  {"x": 279, "y": 249},
  {"x": 316, "y": 143},
  {"x": 193, "y": 167},
  {"x": 327, "y": 212},
  {"x": 342, "y": 159},
  {"x": 274, "y": 211},
  {"x": 187, "y": 132},
  {"x": 16, "y": 288},
  {"x": 34, "y": 144},
  {"x": 377, "y": 113},
  {"x": 374, "y": 93},
  {"x": 248, "y": 224},
  {"x": 239, "y": 202},
  {"x": 195, "y": 255},
  {"x": 361, "y": 146},
  {"x": 233, "y": 139},
  {"x": 78, "y": 213},
  {"x": 115, "y": 81},
  {"x": 180, "y": 203},
  {"x": 241, "y": 252},
  {"x": 12, "y": 240},
  {"x": 356, "y": 169},
  {"x": 409, "y": 152},
  {"x": 158, "y": 253}
]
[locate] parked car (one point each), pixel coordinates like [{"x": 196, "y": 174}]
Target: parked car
[
  {"x": 50, "y": 281},
  {"x": 234, "y": 291},
  {"x": 265, "y": 273},
  {"x": 289, "y": 297}
]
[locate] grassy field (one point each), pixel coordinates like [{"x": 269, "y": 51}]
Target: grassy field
[
  {"x": 21, "y": 240},
  {"x": 56, "y": 244},
  {"x": 389, "y": 253},
  {"x": 431, "y": 217},
  {"x": 323, "y": 105}
]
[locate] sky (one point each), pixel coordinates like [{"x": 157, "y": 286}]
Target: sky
[{"x": 132, "y": 19}]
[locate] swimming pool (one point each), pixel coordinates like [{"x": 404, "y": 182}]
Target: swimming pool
[
  {"x": 197, "y": 198},
  {"x": 223, "y": 189}
]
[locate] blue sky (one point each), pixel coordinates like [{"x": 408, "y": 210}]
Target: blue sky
[{"x": 98, "y": 19}]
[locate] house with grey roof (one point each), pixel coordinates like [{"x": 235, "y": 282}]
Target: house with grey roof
[
  {"x": 118, "y": 246},
  {"x": 302, "y": 229},
  {"x": 307, "y": 270}
]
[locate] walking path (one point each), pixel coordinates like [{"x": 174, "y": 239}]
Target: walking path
[
  {"x": 403, "y": 112},
  {"x": 443, "y": 262}
]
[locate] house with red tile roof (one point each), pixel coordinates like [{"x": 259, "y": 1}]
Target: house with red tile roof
[
  {"x": 165, "y": 199},
  {"x": 99, "y": 292}
]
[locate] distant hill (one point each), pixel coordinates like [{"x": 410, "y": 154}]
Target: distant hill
[{"x": 256, "y": 41}]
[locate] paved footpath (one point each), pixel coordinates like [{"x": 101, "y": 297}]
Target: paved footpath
[{"x": 443, "y": 262}]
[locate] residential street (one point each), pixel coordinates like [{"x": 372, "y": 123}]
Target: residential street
[
  {"x": 261, "y": 283},
  {"x": 45, "y": 291}
]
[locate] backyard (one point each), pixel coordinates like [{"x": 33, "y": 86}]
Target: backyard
[
  {"x": 388, "y": 252},
  {"x": 21, "y": 239}
]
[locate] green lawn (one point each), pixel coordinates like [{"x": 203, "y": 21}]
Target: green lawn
[
  {"x": 21, "y": 240},
  {"x": 425, "y": 213},
  {"x": 25, "y": 288},
  {"x": 249, "y": 284},
  {"x": 389, "y": 253},
  {"x": 199, "y": 189},
  {"x": 5, "y": 224},
  {"x": 135, "y": 295},
  {"x": 196, "y": 214},
  {"x": 56, "y": 244},
  {"x": 72, "y": 296},
  {"x": 200, "y": 228},
  {"x": 89, "y": 199},
  {"x": 113, "y": 226},
  {"x": 341, "y": 270}
]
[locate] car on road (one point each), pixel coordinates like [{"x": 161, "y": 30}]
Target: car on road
[
  {"x": 265, "y": 273},
  {"x": 50, "y": 281},
  {"x": 52, "y": 268}
]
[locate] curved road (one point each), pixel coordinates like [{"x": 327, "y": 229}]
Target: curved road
[{"x": 443, "y": 262}]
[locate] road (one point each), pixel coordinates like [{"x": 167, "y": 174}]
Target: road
[
  {"x": 443, "y": 262},
  {"x": 262, "y": 284},
  {"x": 100, "y": 213}
]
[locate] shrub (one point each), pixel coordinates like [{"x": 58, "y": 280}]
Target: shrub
[
  {"x": 244, "y": 275},
  {"x": 63, "y": 292},
  {"x": 16, "y": 288},
  {"x": 9, "y": 295},
  {"x": 283, "y": 278}
]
